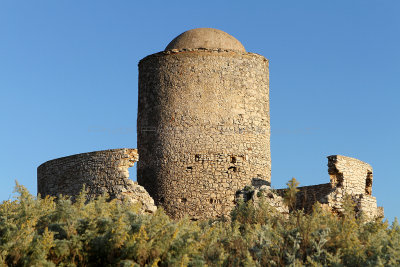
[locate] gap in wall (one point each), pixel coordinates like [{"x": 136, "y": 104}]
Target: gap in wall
[{"x": 133, "y": 173}]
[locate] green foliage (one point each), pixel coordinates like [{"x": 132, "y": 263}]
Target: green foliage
[
  {"x": 49, "y": 232},
  {"x": 290, "y": 193}
]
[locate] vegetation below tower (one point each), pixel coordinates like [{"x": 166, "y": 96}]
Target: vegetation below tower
[{"x": 44, "y": 232}]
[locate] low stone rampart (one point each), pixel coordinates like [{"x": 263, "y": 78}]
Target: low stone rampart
[
  {"x": 102, "y": 172},
  {"x": 307, "y": 196}
]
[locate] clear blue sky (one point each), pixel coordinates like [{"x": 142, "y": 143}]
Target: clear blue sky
[{"x": 68, "y": 80}]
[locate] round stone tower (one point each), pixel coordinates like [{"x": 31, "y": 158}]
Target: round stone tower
[{"x": 203, "y": 123}]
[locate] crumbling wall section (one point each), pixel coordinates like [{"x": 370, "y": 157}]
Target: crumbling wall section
[
  {"x": 368, "y": 207},
  {"x": 348, "y": 176},
  {"x": 307, "y": 196},
  {"x": 102, "y": 172},
  {"x": 352, "y": 174}
]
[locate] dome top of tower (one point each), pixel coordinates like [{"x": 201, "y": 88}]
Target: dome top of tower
[{"x": 207, "y": 38}]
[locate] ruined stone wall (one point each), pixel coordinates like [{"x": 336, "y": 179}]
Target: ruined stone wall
[
  {"x": 351, "y": 174},
  {"x": 348, "y": 176},
  {"x": 203, "y": 128},
  {"x": 368, "y": 206},
  {"x": 308, "y": 195},
  {"x": 352, "y": 177},
  {"x": 101, "y": 171}
]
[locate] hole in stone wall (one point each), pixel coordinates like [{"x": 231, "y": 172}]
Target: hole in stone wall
[
  {"x": 234, "y": 169},
  {"x": 197, "y": 157},
  {"x": 211, "y": 201},
  {"x": 189, "y": 169},
  {"x": 259, "y": 181},
  {"x": 183, "y": 200},
  {"x": 368, "y": 184},
  {"x": 336, "y": 179},
  {"x": 339, "y": 179},
  {"x": 233, "y": 159},
  {"x": 133, "y": 173}
]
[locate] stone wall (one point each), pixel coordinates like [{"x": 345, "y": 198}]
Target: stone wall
[
  {"x": 348, "y": 176},
  {"x": 368, "y": 206},
  {"x": 203, "y": 128},
  {"x": 307, "y": 196},
  {"x": 101, "y": 171},
  {"x": 352, "y": 174},
  {"x": 352, "y": 177}
]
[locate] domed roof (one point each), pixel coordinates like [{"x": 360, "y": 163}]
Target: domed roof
[{"x": 205, "y": 38}]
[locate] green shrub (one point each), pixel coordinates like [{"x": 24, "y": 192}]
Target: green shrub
[
  {"x": 290, "y": 193},
  {"x": 50, "y": 232}
]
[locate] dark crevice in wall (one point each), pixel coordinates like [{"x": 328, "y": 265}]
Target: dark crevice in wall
[
  {"x": 368, "y": 184},
  {"x": 336, "y": 177},
  {"x": 234, "y": 169}
]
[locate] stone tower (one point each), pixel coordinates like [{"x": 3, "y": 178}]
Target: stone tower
[{"x": 203, "y": 123}]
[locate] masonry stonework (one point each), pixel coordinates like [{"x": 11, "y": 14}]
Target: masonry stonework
[
  {"x": 203, "y": 138},
  {"x": 102, "y": 172},
  {"x": 203, "y": 123},
  {"x": 348, "y": 176},
  {"x": 352, "y": 177}
]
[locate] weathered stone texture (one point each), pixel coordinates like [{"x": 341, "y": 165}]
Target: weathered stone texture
[
  {"x": 203, "y": 128},
  {"x": 352, "y": 177},
  {"x": 100, "y": 171},
  {"x": 351, "y": 174},
  {"x": 348, "y": 176},
  {"x": 203, "y": 133}
]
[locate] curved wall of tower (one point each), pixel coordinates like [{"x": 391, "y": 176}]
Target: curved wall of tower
[{"x": 203, "y": 128}]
